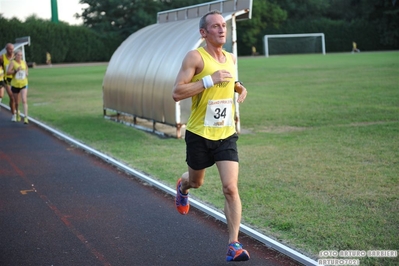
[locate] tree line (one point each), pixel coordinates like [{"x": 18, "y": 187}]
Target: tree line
[{"x": 373, "y": 24}]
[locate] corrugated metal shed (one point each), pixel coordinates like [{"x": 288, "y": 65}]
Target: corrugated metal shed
[
  {"x": 141, "y": 73},
  {"x": 19, "y": 44}
]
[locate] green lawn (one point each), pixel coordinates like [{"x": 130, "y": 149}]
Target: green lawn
[{"x": 319, "y": 149}]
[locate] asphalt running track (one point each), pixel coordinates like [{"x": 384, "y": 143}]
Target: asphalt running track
[{"x": 62, "y": 206}]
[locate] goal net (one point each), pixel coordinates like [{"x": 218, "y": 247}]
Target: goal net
[{"x": 294, "y": 44}]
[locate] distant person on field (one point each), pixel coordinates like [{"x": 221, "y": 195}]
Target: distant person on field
[
  {"x": 48, "y": 58},
  {"x": 19, "y": 83},
  {"x": 354, "y": 48},
  {"x": 5, "y": 60},
  {"x": 208, "y": 76},
  {"x": 254, "y": 51}
]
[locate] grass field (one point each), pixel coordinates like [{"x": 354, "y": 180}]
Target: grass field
[{"x": 319, "y": 153}]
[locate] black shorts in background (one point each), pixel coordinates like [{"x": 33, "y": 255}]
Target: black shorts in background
[{"x": 17, "y": 90}]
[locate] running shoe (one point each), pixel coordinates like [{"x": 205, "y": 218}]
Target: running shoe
[
  {"x": 14, "y": 118},
  {"x": 235, "y": 252},
  {"x": 26, "y": 121},
  {"x": 182, "y": 204},
  {"x": 18, "y": 116}
]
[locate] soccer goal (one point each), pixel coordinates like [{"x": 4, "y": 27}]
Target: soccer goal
[{"x": 294, "y": 44}]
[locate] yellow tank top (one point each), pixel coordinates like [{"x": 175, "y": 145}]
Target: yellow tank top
[
  {"x": 1, "y": 73},
  {"x": 212, "y": 111},
  {"x": 6, "y": 63},
  {"x": 20, "y": 79}
]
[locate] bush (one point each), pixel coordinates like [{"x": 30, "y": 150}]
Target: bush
[{"x": 65, "y": 43}]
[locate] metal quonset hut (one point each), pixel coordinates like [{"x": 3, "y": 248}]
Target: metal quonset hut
[
  {"x": 140, "y": 76},
  {"x": 19, "y": 45}
]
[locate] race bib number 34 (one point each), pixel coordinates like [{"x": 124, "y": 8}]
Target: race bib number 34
[{"x": 219, "y": 113}]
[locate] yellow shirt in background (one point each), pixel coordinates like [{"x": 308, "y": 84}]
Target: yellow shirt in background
[{"x": 20, "y": 78}]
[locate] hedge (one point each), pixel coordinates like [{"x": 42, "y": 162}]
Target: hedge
[{"x": 64, "y": 42}]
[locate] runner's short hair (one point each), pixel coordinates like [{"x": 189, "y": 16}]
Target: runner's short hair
[{"x": 203, "y": 23}]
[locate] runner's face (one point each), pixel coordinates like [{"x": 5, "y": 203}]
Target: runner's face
[
  {"x": 10, "y": 49},
  {"x": 215, "y": 32},
  {"x": 18, "y": 56}
]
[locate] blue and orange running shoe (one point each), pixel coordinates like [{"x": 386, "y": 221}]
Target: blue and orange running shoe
[
  {"x": 182, "y": 204},
  {"x": 235, "y": 252}
]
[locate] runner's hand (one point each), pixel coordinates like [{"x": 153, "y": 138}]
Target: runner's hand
[{"x": 221, "y": 76}]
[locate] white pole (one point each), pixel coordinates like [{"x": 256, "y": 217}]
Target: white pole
[
  {"x": 265, "y": 40},
  {"x": 234, "y": 48}
]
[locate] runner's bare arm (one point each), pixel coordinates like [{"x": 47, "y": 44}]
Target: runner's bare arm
[
  {"x": 239, "y": 87},
  {"x": 241, "y": 90},
  {"x": 10, "y": 70},
  {"x": 192, "y": 65},
  {"x": 183, "y": 87}
]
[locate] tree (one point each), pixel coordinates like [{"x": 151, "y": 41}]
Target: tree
[
  {"x": 121, "y": 17},
  {"x": 250, "y": 32},
  {"x": 385, "y": 15},
  {"x": 124, "y": 17},
  {"x": 298, "y": 9},
  {"x": 373, "y": 23},
  {"x": 172, "y": 4}
]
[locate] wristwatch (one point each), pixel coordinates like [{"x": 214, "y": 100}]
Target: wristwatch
[{"x": 236, "y": 83}]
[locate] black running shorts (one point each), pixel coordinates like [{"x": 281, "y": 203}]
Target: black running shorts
[
  {"x": 17, "y": 90},
  {"x": 202, "y": 153}
]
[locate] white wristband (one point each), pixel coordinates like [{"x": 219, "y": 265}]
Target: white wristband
[{"x": 208, "y": 82}]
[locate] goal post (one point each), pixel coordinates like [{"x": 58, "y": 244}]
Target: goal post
[{"x": 294, "y": 43}]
